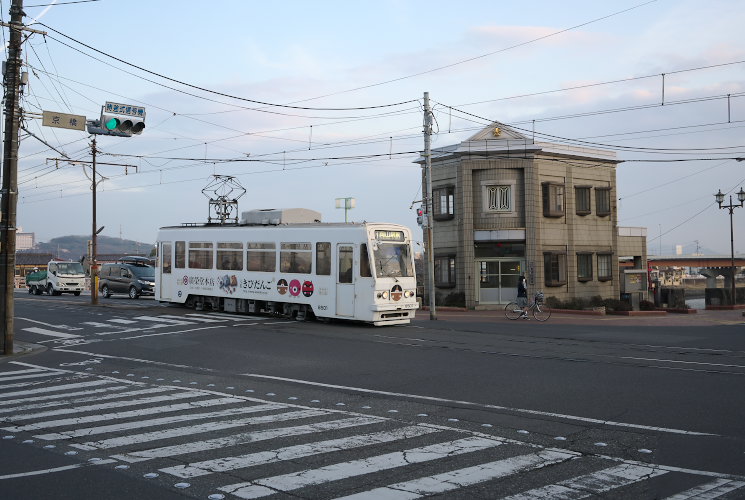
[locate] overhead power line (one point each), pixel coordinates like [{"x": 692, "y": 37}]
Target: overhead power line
[{"x": 216, "y": 92}]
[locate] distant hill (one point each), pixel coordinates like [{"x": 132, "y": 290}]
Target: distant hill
[{"x": 75, "y": 247}]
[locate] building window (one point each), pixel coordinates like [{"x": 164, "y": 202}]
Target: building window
[
  {"x": 582, "y": 200},
  {"x": 602, "y": 201},
  {"x": 553, "y": 200},
  {"x": 584, "y": 267},
  {"x": 443, "y": 200},
  {"x": 498, "y": 198},
  {"x": 445, "y": 271},
  {"x": 555, "y": 268},
  {"x": 605, "y": 269}
]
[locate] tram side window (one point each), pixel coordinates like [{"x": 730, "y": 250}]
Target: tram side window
[
  {"x": 323, "y": 258},
  {"x": 295, "y": 258},
  {"x": 200, "y": 255},
  {"x": 262, "y": 257},
  {"x": 180, "y": 255},
  {"x": 364, "y": 262},
  {"x": 230, "y": 256}
]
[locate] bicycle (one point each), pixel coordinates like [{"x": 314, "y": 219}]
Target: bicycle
[{"x": 541, "y": 311}]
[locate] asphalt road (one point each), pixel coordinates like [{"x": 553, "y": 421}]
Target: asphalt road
[{"x": 132, "y": 399}]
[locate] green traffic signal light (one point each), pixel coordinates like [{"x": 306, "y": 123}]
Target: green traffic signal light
[{"x": 112, "y": 124}]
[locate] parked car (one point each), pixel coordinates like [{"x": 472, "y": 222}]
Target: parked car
[{"x": 132, "y": 278}]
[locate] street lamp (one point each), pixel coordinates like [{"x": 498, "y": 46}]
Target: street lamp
[
  {"x": 731, "y": 207},
  {"x": 347, "y": 204}
]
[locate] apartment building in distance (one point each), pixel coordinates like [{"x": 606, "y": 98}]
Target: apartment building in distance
[{"x": 504, "y": 205}]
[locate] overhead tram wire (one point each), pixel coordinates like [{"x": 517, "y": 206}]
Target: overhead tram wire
[
  {"x": 598, "y": 144},
  {"x": 222, "y": 94}
]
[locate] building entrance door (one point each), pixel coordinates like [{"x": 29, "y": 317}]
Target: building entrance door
[{"x": 498, "y": 280}]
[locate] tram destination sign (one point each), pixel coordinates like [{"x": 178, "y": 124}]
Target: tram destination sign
[
  {"x": 62, "y": 120},
  {"x": 389, "y": 235}
]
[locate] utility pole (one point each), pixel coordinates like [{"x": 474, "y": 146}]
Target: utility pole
[
  {"x": 94, "y": 230},
  {"x": 429, "y": 207},
  {"x": 9, "y": 199}
]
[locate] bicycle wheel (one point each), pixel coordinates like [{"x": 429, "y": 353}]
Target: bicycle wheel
[
  {"x": 512, "y": 310},
  {"x": 541, "y": 312}
]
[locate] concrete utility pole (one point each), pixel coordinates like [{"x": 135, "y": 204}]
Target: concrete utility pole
[
  {"x": 94, "y": 230},
  {"x": 429, "y": 207},
  {"x": 10, "y": 174}
]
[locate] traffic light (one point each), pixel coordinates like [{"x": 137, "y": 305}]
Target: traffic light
[
  {"x": 122, "y": 118},
  {"x": 420, "y": 217}
]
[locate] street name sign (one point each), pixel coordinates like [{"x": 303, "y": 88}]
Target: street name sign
[{"x": 62, "y": 120}]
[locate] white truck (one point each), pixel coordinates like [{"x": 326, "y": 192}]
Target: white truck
[{"x": 60, "y": 277}]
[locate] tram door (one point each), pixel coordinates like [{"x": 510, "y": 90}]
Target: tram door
[
  {"x": 166, "y": 281},
  {"x": 345, "y": 280}
]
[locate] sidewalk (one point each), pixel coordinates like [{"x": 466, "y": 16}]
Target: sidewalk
[
  {"x": 702, "y": 317},
  {"x": 20, "y": 349}
]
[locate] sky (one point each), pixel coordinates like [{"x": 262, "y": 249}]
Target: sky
[{"x": 305, "y": 102}]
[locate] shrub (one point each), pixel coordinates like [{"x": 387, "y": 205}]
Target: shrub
[
  {"x": 454, "y": 299},
  {"x": 645, "y": 305}
]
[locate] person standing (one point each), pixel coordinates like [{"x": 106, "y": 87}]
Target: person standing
[{"x": 522, "y": 296}]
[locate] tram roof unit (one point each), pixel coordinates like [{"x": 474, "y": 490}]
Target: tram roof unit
[{"x": 282, "y": 217}]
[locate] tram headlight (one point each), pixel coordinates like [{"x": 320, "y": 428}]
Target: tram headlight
[
  {"x": 408, "y": 294},
  {"x": 383, "y": 295}
]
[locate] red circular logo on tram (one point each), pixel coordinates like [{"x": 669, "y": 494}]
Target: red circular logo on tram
[
  {"x": 282, "y": 286},
  {"x": 307, "y": 288},
  {"x": 294, "y": 288}
]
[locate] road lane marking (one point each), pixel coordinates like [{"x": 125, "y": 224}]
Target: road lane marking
[
  {"x": 244, "y": 438},
  {"x": 590, "y": 485},
  {"x": 462, "y": 478},
  {"x": 138, "y": 424},
  {"x": 122, "y": 321},
  {"x": 165, "y": 320},
  {"x": 192, "y": 317},
  {"x": 344, "y": 470},
  {"x": 50, "y": 333},
  {"x": 488, "y": 406},
  {"x": 294, "y": 452},
  {"x": 28, "y": 376},
  {"x": 122, "y": 415},
  {"x": 56, "y": 469}
]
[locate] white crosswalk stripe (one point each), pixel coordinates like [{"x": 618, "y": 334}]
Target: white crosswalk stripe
[
  {"x": 591, "y": 485},
  {"x": 711, "y": 490},
  {"x": 295, "y": 452},
  {"x": 51, "y": 404},
  {"x": 194, "y": 317},
  {"x": 247, "y": 437},
  {"x": 164, "y": 320},
  {"x": 246, "y": 447},
  {"x": 139, "y": 424},
  {"x": 121, "y": 415},
  {"x": 294, "y": 481},
  {"x": 199, "y": 429},
  {"x": 449, "y": 481}
]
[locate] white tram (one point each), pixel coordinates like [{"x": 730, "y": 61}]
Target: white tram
[{"x": 287, "y": 262}]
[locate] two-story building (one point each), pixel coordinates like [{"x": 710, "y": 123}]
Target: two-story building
[{"x": 504, "y": 205}]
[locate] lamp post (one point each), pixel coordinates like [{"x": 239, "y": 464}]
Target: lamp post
[
  {"x": 731, "y": 207},
  {"x": 347, "y": 204}
]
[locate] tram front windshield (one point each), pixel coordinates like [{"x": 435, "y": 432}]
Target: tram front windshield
[{"x": 392, "y": 260}]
